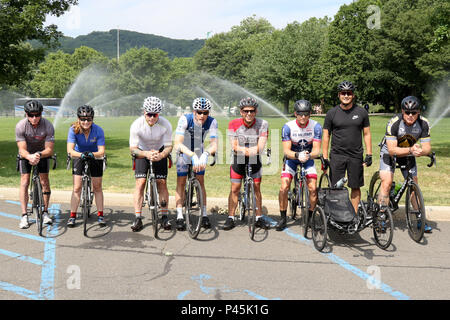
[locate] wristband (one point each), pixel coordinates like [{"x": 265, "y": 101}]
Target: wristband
[{"x": 296, "y": 155}]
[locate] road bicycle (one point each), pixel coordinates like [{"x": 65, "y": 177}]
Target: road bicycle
[
  {"x": 35, "y": 193},
  {"x": 193, "y": 201},
  {"x": 87, "y": 195},
  {"x": 247, "y": 198},
  {"x": 299, "y": 197},
  {"x": 414, "y": 203}
]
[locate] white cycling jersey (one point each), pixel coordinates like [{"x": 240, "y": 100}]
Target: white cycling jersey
[{"x": 149, "y": 138}]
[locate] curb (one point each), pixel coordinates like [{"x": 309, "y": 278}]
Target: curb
[{"x": 433, "y": 213}]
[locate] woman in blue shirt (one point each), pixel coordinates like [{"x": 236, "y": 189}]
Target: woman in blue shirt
[{"x": 85, "y": 138}]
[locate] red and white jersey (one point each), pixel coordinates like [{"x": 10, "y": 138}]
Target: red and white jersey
[{"x": 248, "y": 135}]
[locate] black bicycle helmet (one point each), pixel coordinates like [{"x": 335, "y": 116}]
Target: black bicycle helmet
[
  {"x": 85, "y": 111},
  {"x": 411, "y": 103},
  {"x": 345, "y": 86},
  {"x": 248, "y": 102},
  {"x": 302, "y": 106},
  {"x": 33, "y": 106}
]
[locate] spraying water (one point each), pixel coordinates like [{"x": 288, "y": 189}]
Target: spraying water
[
  {"x": 440, "y": 105},
  {"x": 207, "y": 95}
]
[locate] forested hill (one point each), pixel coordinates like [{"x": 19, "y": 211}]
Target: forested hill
[{"x": 106, "y": 42}]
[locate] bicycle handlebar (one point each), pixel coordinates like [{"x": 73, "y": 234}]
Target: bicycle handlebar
[
  {"x": 432, "y": 157},
  {"x": 53, "y": 157}
]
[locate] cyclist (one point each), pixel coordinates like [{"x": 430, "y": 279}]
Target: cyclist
[
  {"x": 190, "y": 135},
  {"x": 403, "y": 131},
  {"x": 85, "y": 139},
  {"x": 345, "y": 122},
  {"x": 301, "y": 138},
  {"x": 151, "y": 139},
  {"x": 35, "y": 137},
  {"x": 248, "y": 137}
]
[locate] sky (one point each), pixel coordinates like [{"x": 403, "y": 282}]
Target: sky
[{"x": 186, "y": 19}]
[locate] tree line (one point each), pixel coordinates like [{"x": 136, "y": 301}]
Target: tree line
[{"x": 388, "y": 48}]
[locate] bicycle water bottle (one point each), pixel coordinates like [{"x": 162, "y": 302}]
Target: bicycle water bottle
[
  {"x": 397, "y": 188},
  {"x": 340, "y": 183}
]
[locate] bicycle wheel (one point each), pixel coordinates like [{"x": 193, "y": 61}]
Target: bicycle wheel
[
  {"x": 383, "y": 229},
  {"x": 324, "y": 179},
  {"x": 251, "y": 209},
  {"x": 241, "y": 206},
  {"x": 292, "y": 203},
  {"x": 38, "y": 205},
  {"x": 85, "y": 208},
  {"x": 415, "y": 211},
  {"x": 193, "y": 208},
  {"x": 153, "y": 207},
  {"x": 319, "y": 228},
  {"x": 304, "y": 205}
]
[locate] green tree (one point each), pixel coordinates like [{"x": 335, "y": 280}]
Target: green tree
[{"x": 21, "y": 21}]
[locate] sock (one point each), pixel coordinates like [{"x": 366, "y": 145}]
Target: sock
[
  {"x": 138, "y": 214},
  {"x": 164, "y": 211},
  {"x": 258, "y": 217},
  {"x": 204, "y": 211},
  {"x": 100, "y": 213},
  {"x": 231, "y": 217},
  {"x": 73, "y": 214},
  {"x": 283, "y": 214},
  {"x": 180, "y": 213}
]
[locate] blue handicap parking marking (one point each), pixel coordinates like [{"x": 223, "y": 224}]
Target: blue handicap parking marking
[{"x": 48, "y": 263}]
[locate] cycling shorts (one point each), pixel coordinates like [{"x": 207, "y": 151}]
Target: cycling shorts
[
  {"x": 43, "y": 166},
  {"x": 96, "y": 167},
  {"x": 182, "y": 166},
  {"x": 387, "y": 164},
  {"x": 237, "y": 172},
  {"x": 143, "y": 165},
  {"x": 290, "y": 168},
  {"x": 340, "y": 164}
]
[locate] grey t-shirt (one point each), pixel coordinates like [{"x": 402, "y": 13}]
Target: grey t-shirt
[{"x": 35, "y": 137}]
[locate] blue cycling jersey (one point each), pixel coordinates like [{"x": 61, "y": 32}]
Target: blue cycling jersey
[
  {"x": 96, "y": 138},
  {"x": 194, "y": 136}
]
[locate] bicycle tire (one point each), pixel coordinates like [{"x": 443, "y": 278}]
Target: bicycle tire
[
  {"x": 153, "y": 207},
  {"x": 292, "y": 203},
  {"x": 193, "y": 207},
  {"x": 319, "y": 228},
  {"x": 85, "y": 204},
  {"x": 384, "y": 227},
  {"x": 38, "y": 204},
  {"x": 415, "y": 218},
  {"x": 241, "y": 207},
  {"x": 304, "y": 205},
  {"x": 327, "y": 180},
  {"x": 251, "y": 209}
]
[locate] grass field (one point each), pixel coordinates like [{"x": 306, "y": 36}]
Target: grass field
[{"x": 119, "y": 176}]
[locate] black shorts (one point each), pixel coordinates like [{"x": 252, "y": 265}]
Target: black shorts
[
  {"x": 43, "y": 166},
  {"x": 96, "y": 167},
  {"x": 143, "y": 165},
  {"x": 340, "y": 164}
]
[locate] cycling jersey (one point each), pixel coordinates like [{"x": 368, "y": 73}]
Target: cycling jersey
[
  {"x": 301, "y": 137},
  {"x": 193, "y": 136},
  {"x": 148, "y": 138},
  {"x": 96, "y": 138},
  {"x": 35, "y": 137}
]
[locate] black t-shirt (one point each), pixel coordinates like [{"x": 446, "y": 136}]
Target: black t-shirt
[{"x": 345, "y": 128}]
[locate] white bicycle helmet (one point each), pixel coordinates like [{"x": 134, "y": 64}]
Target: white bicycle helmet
[
  {"x": 152, "y": 105},
  {"x": 201, "y": 104}
]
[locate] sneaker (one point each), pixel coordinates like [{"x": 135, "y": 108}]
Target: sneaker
[
  {"x": 181, "y": 226},
  {"x": 71, "y": 222},
  {"x": 205, "y": 223},
  {"x": 229, "y": 224},
  {"x": 427, "y": 228},
  {"x": 101, "y": 221},
  {"x": 24, "y": 222},
  {"x": 260, "y": 223},
  {"x": 47, "y": 219},
  {"x": 281, "y": 225},
  {"x": 137, "y": 224},
  {"x": 165, "y": 222}
]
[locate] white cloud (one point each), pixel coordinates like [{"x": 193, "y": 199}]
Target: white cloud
[{"x": 185, "y": 19}]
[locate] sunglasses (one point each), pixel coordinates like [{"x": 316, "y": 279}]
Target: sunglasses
[
  {"x": 303, "y": 114},
  {"x": 85, "y": 119},
  {"x": 203, "y": 112},
  {"x": 34, "y": 115},
  {"x": 411, "y": 113},
  {"x": 152, "y": 115},
  {"x": 248, "y": 111},
  {"x": 346, "y": 93}
]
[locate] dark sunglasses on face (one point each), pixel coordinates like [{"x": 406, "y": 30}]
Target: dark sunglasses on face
[
  {"x": 203, "y": 112},
  {"x": 85, "y": 119},
  {"x": 33, "y": 115},
  {"x": 303, "y": 114},
  {"x": 411, "y": 113},
  {"x": 152, "y": 115},
  {"x": 248, "y": 111},
  {"x": 347, "y": 93}
]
